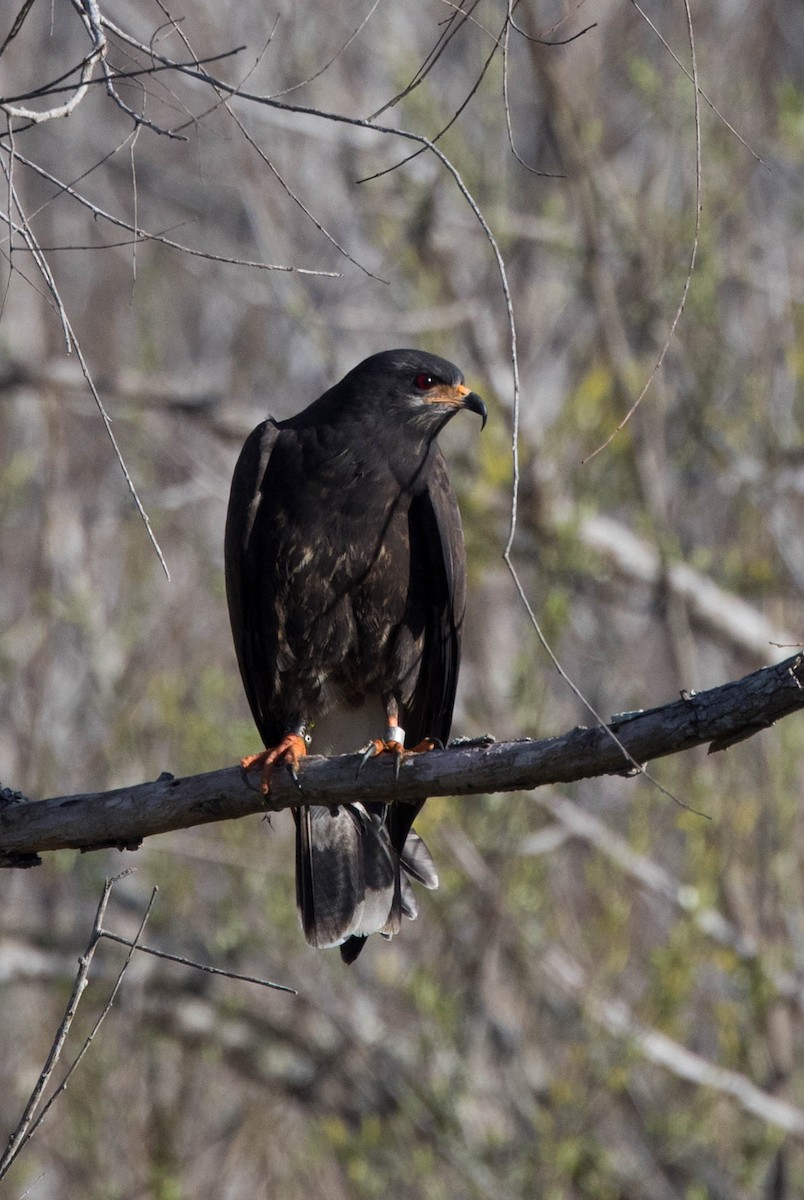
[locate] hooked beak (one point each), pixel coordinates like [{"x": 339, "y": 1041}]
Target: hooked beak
[
  {"x": 460, "y": 397},
  {"x": 474, "y": 404}
]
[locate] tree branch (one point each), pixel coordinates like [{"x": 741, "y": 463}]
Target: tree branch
[{"x": 720, "y": 717}]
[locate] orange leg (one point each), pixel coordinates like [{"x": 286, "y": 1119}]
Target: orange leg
[{"x": 290, "y": 751}]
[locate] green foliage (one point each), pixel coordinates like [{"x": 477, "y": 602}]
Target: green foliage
[
  {"x": 790, "y": 100},
  {"x": 187, "y": 712}
]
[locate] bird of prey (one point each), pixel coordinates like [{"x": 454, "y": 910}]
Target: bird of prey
[{"x": 345, "y": 577}]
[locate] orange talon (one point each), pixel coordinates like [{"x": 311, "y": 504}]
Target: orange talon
[
  {"x": 391, "y": 746},
  {"x": 387, "y": 747},
  {"x": 290, "y": 751},
  {"x": 426, "y": 745}
]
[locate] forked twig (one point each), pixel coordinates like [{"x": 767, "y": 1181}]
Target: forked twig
[
  {"x": 29, "y": 1121},
  {"x": 90, "y": 15},
  {"x": 33, "y": 1114}
]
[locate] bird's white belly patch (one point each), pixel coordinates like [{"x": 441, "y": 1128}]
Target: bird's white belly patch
[{"x": 346, "y": 730}]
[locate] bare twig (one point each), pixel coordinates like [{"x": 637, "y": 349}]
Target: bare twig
[
  {"x": 144, "y": 235},
  {"x": 90, "y": 15},
  {"x": 294, "y": 87},
  {"x": 25, "y": 232},
  {"x": 34, "y": 1115},
  {"x": 17, "y": 24},
  {"x": 197, "y": 966},
  {"x": 98, "y": 933},
  {"x": 139, "y": 118},
  {"x": 703, "y": 94},
  {"x": 453, "y": 25},
  {"x": 544, "y": 38},
  {"x": 297, "y": 200},
  {"x": 506, "y": 48},
  {"x": 540, "y": 41},
  {"x": 55, "y": 87},
  {"x": 146, "y": 520},
  {"x": 73, "y": 345},
  {"x": 29, "y": 1121}
]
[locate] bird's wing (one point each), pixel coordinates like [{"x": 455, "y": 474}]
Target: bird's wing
[
  {"x": 438, "y": 571},
  {"x": 247, "y": 551},
  {"x": 438, "y": 579}
]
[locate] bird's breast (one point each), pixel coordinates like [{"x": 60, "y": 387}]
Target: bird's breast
[{"x": 341, "y": 580}]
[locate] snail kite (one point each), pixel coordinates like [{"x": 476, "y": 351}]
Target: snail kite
[{"x": 345, "y": 572}]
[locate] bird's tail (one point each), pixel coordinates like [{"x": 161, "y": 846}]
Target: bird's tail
[{"x": 350, "y": 881}]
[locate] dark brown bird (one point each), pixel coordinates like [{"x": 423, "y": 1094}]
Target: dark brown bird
[{"x": 345, "y": 576}]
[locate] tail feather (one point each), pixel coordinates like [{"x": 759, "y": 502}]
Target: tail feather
[
  {"x": 329, "y": 874},
  {"x": 410, "y": 908},
  {"x": 346, "y": 875},
  {"x": 418, "y": 861},
  {"x": 348, "y": 878}
]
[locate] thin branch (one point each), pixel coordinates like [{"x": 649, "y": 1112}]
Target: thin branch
[
  {"x": 543, "y": 39},
  {"x": 459, "y": 110},
  {"x": 139, "y": 118},
  {"x": 144, "y": 235},
  {"x": 26, "y": 233},
  {"x": 509, "y": 125},
  {"x": 19, "y": 20},
  {"x": 55, "y": 86},
  {"x": 294, "y": 87},
  {"x": 98, "y": 933},
  {"x": 297, "y": 200},
  {"x": 73, "y": 345},
  {"x": 720, "y": 717},
  {"x": 560, "y": 41},
  {"x": 90, "y": 15},
  {"x": 31, "y": 1119},
  {"x": 197, "y": 966},
  {"x": 703, "y": 94},
  {"x": 26, "y": 1125},
  {"x": 508, "y": 550},
  {"x": 453, "y": 25}
]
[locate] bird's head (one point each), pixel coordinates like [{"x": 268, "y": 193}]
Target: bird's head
[{"x": 415, "y": 387}]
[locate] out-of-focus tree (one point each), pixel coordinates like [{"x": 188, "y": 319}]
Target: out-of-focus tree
[{"x": 604, "y": 999}]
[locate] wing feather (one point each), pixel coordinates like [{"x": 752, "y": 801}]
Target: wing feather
[
  {"x": 248, "y": 567},
  {"x": 438, "y": 583}
]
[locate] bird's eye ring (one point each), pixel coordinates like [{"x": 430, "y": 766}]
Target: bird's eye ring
[{"x": 424, "y": 382}]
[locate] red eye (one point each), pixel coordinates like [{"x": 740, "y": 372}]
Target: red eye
[{"x": 424, "y": 382}]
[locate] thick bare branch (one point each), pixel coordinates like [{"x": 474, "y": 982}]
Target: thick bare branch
[{"x": 720, "y": 717}]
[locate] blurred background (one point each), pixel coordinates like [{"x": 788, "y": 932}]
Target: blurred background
[{"x": 605, "y": 998}]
